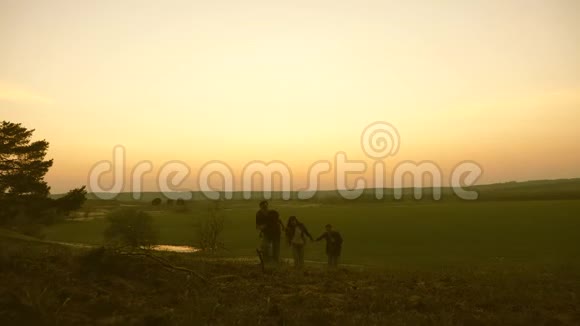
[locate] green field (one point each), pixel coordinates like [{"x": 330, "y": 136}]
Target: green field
[
  {"x": 395, "y": 234},
  {"x": 450, "y": 262}
]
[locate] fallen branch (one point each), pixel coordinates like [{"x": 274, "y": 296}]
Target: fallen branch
[
  {"x": 165, "y": 263},
  {"x": 225, "y": 277}
]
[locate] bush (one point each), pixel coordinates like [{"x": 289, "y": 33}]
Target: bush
[
  {"x": 31, "y": 229},
  {"x": 180, "y": 206},
  {"x": 129, "y": 227},
  {"x": 156, "y": 202},
  {"x": 210, "y": 229},
  {"x": 28, "y": 226}
]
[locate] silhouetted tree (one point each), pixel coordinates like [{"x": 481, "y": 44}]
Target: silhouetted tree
[
  {"x": 72, "y": 201},
  {"x": 156, "y": 202},
  {"x": 211, "y": 228},
  {"x": 23, "y": 191},
  {"x": 22, "y": 163}
]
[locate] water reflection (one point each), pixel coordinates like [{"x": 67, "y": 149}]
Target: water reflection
[
  {"x": 172, "y": 248},
  {"x": 175, "y": 248}
]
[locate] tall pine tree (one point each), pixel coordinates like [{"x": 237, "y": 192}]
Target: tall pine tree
[
  {"x": 22, "y": 163},
  {"x": 23, "y": 191}
]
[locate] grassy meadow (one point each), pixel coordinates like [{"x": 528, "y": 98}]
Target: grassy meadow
[
  {"x": 511, "y": 258},
  {"x": 388, "y": 233}
]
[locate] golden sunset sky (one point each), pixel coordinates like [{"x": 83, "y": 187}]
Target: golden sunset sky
[{"x": 495, "y": 82}]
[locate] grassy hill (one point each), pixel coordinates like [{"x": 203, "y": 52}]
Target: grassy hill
[
  {"x": 527, "y": 190},
  {"x": 48, "y": 284},
  {"x": 508, "y": 258}
]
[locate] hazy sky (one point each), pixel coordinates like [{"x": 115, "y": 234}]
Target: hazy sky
[{"x": 496, "y": 82}]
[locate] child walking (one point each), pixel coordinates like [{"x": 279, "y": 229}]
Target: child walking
[{"x": 333, "y": 245}]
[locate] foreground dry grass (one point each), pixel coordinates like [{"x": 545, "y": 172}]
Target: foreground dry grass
[{"x": 43, "y": 284}]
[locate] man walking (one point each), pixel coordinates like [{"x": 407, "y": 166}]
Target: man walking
[{"x": 269, "y": 224}]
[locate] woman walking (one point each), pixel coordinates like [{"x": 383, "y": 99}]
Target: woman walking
[{"x": 296, "y": 234}]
